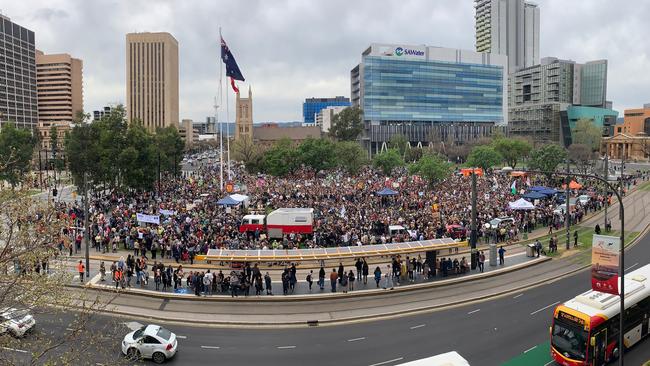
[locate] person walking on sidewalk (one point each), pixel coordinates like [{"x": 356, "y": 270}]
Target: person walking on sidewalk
[
  {"x": 321, "y": 278},
  {"x": 502, "y": 253},
  {"x": 333, "y": 278},
  {"x": 481, "y": 261},
  {"x": 364, "y": 272},
  {"x": 82, "y": 270},
  {"x": 102, "y": 271},
  {"x": 267, "y": 284},
  {"x": 575, "y": 238},
  {"x": 359, "y": 266},
  {"x": 389, "y": 279},
  {"x": 351, "y": 281},
  {"x": 309, "y": 279},
  {"x": 377, "y": 275}
]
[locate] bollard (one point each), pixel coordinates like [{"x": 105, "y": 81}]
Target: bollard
[{"x": 493, "y": 255}]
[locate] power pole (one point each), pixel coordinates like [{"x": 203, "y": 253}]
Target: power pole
[
  {"x": 474, "y": 235},
  {"x": 606, "y": 190},
  {"x": 568, "y": 206},
  {"x": 86, "y": 226}
]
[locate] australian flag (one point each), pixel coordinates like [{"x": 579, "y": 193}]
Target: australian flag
[{"x": 232, "y": 70}]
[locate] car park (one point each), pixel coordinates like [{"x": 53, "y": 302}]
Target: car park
[
  {"x": 150, "y": 342},
  {"x": 16, "y": 322}
]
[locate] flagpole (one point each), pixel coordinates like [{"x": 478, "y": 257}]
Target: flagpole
[
  {"x": 220, "y": 126},
  {"x": 228, "y": 138}
]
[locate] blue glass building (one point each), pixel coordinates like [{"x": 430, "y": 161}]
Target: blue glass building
[
  {"x": 428, "y": 94},
  {"x": 312, "y": 106}
]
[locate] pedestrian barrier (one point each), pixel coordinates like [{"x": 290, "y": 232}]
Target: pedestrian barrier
[{"x": 272, "y": 255}]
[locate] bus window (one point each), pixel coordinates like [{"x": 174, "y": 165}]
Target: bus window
[
  {"x": 569, "y": 339},
  {"x": 255, "y": 221}
]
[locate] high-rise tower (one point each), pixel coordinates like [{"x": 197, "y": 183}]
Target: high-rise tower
[{"x": 244, "y": 117}]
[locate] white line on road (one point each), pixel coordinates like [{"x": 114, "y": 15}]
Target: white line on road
[
  {"x": 632, "y": 266},
  {"x": 210, "y": 347},
  {"x": 549, "y": 363},
  {"x": 356, "y": 339},
  {"x": 286, "y": 347},
  {"x": 474, "y": 311},
  {"x": 544, "y": 308},
  {"x": 181, "y": 337},
  {"x": 69, "y": 329},
  {"x": 530, "y": 349},
  {"x": 520, "y": 295},
  {"x": 389, "y": 361},
  {"x": 418, "y": 326},
  {"x": 14, "y": 349}
]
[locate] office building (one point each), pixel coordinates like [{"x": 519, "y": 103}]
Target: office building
[
  {"x": 631, "y": 139},
  {"x": 59, "y": 87},
  {"x": 188, "y": 132},
  {"x": 326, "y": 115},
  {"x": 99, "y": 114},
  {"x": 312, "y": 106},
  {"x": 152, "y": 79},
  {"x": 428, "y": 93},
  {"x": 508, "y": 27},
  {"x": 267, "y": 134},
  {"x": 18, "y": 96},
  {"x": 540, "y": 95},
  {"x": 244, "y": 116}
]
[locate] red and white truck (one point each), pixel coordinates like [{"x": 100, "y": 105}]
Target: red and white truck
[{"x": 279, "y": 222}]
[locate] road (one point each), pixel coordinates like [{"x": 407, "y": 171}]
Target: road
[{"x": 486, "y": 333}]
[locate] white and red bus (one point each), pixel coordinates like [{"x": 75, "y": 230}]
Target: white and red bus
[
  {"x": 281, "y": 221},
  {"x": 585, "y": 329}
]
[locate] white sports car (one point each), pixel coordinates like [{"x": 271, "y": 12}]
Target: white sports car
[
  {"x": 150, "y": 341},
  {"x": 15, "y": 322}
]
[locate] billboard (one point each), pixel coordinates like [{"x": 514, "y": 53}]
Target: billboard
[
  {"x": 416, "y": 52},
  {"x": 605, "y": 263}
]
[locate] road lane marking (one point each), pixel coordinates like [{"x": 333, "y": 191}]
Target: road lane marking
[
  {"x": 14, "y": 349},
  {"x": 181, "y": 337},
  {"x": 530, "y": 349},
  {"x": 474, "y": 311},
  {"x": 286, "y": 347},
  {"x": 389, "y": 361},
  {"x": 632, "y": 266},
  {"x": 356, "y": 339},
  {"x": 544, "y": 308},
  {"x": 210, "y": 347},
  {"x": 549, "y": 363},
  {"x": 520, "y": 295},
  {"x": 418, "y": 326}
]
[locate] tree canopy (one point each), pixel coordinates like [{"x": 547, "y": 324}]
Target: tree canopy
[
  {"x": 388, "y": 160},
  {"x": 512, "y": 150},
  {"x": 547, "y": 158},
  {"x": 350, "y": 156},
  {"x": 432, "y": 168},
  {"x": 347, "y": 125},
  {"x": 586, "y": 133},
  {"x": 319, "y": 154},
  {"x": 484, "y": 156},
  {"x": 16, "y": 151}
]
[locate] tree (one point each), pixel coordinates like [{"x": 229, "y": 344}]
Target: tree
[
  {"x": 350, "y": 156},
  {"x": 249, "y": 153},
  {"x": 16, "y": 151},
  {"x": 431, "y": 168},
  {"x": 484, "y": 156},
  {"x": 547, "y": 158},
  {"x": 138, "y": 159},
  {"x": 413, "y": 154},
  {"x": 280, "y": 159},
  {"x": 171, "y": 146},
  {"x": 388, "y": 160},
  {"x": 318, "y": 154},
  {"x": 399, "y": 143},
  {"x": 31, "y": 232},
  {"x": 512, "y": 150},
  {"x": 82, "y": 149},
  {"x": 582, "y": 156},
  {"x": 586, "y": 133},
  {"x": 347, "y": 125}
]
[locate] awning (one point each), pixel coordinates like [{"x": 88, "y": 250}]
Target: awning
[
  {"x": 521, "y": 204},
  {"x": 239, "y": 197},
  {"x": 386, "y": 192},
  {"x": 534, "y": 196},
  {"x": 228, "y": 201}
]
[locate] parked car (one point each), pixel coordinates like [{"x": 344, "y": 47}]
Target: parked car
[
  {"x": 501, "y": 221},
  {"x": 457, "y": 232},
  {"x": 583, "y": 199},
  {"x": 16, "y": 322},
  {"x": 150, "y": 341}
]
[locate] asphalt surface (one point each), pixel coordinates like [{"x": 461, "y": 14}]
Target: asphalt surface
[{"x": 486, "y": 333}]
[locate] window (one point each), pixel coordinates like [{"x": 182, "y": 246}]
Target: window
[
  {"x": 150, "y": 340},
  {"x": 164, "y": 333}
]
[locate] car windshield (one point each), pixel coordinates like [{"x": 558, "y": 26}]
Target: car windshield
[
  {"x": 164, "y": 333},
  {"x": 17, "y": 314},
  {"x": 138, "y": 333},
  {"x": 570, "y": 340}
]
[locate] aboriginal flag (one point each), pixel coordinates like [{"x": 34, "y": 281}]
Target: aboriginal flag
[{"x": 232, "y": 70}]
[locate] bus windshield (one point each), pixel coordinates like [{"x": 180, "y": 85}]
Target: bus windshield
[{"x": 570, "y": 340}]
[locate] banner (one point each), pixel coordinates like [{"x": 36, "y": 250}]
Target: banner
[
  {"x": 152, "y": 219},
  {"x": 605, "y": 251},
  {"x": 168, "y": 212}
]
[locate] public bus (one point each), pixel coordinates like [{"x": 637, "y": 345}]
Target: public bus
[{"x": 585, "y": 329}]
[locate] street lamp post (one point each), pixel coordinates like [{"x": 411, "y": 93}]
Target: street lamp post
[
  {"x": 474, "y": 235},
  {"x": 568, "y": 206},
  {"x": 606, "y": 190},
  {"x": 86, "y": 227}
]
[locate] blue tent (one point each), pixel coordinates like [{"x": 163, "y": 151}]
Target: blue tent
[
  {"x": 228, "y": 201},
  {"x": 535, "y": 195},
  {"x": 386, "y": 192},
  {"x": 544, "y": 190},
  {"x": 538, "y": 188}
]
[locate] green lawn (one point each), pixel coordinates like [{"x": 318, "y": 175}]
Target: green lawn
[{"x": 539, "y": 355}]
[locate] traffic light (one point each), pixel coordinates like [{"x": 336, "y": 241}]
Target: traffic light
[{"x": 54, "y": 192}]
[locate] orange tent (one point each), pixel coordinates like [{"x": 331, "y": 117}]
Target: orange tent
[
  {"x": 518, "y": 174},
  {"x": 575, "y": 185}
]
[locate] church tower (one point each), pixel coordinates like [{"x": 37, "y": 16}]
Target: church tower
[{"x": 244, "y": 117}]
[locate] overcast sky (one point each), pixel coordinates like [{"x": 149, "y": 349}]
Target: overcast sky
[{"x": 290, "y": 50}]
